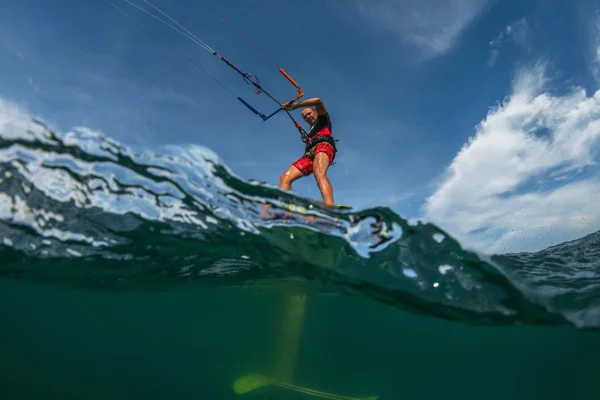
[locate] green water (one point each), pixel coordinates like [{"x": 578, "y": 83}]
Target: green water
[{"x": 193, "y": 343}]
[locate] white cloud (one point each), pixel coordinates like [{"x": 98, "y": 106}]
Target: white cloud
[
  {"x": 519, "y": 184},
  {"x": 517, "y": 32},
  {"x": 433, "y": 26}
]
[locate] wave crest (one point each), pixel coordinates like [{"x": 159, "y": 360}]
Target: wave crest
[{"x": 83, "y": 209}]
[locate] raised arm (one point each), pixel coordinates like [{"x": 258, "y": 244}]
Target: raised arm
[{"x": 315, "y": 101}]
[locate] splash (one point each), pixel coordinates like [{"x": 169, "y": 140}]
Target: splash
[{"x": 81, "y": 209}]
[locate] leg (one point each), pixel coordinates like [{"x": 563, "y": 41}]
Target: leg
[
  {"x": 289, "y": 176},
  {"x": 323, "y": 156}
]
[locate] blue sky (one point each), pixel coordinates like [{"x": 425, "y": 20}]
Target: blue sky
[{"x": 476, "y": 115}]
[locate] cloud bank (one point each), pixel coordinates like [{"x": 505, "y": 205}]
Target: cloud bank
[{"x": 528, "y": 178}]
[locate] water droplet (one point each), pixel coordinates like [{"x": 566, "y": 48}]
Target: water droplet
[
  {"x": 445, "y": 268},
  {"x": 410, "y": 273},
  {"x": 73, "y": 252},
  {"x": 438, "y": 237}
]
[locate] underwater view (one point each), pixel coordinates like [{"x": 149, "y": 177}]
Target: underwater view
[{"x": 441, "y": 239}]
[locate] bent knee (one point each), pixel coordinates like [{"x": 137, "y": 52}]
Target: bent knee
[
  {"x": 320, "y": 169},
  {"x": 320, "y": 174},
  {"x": 284, "y": 178},
  {"x": 290, "y": 176}
]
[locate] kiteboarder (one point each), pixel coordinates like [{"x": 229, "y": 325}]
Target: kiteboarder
[{"x": 319, "y": 150}]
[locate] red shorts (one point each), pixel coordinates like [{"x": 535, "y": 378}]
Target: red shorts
[{"x": 305, "y": 163}]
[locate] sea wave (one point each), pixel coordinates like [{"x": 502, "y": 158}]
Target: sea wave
[{"x": 82, "y": 209}]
